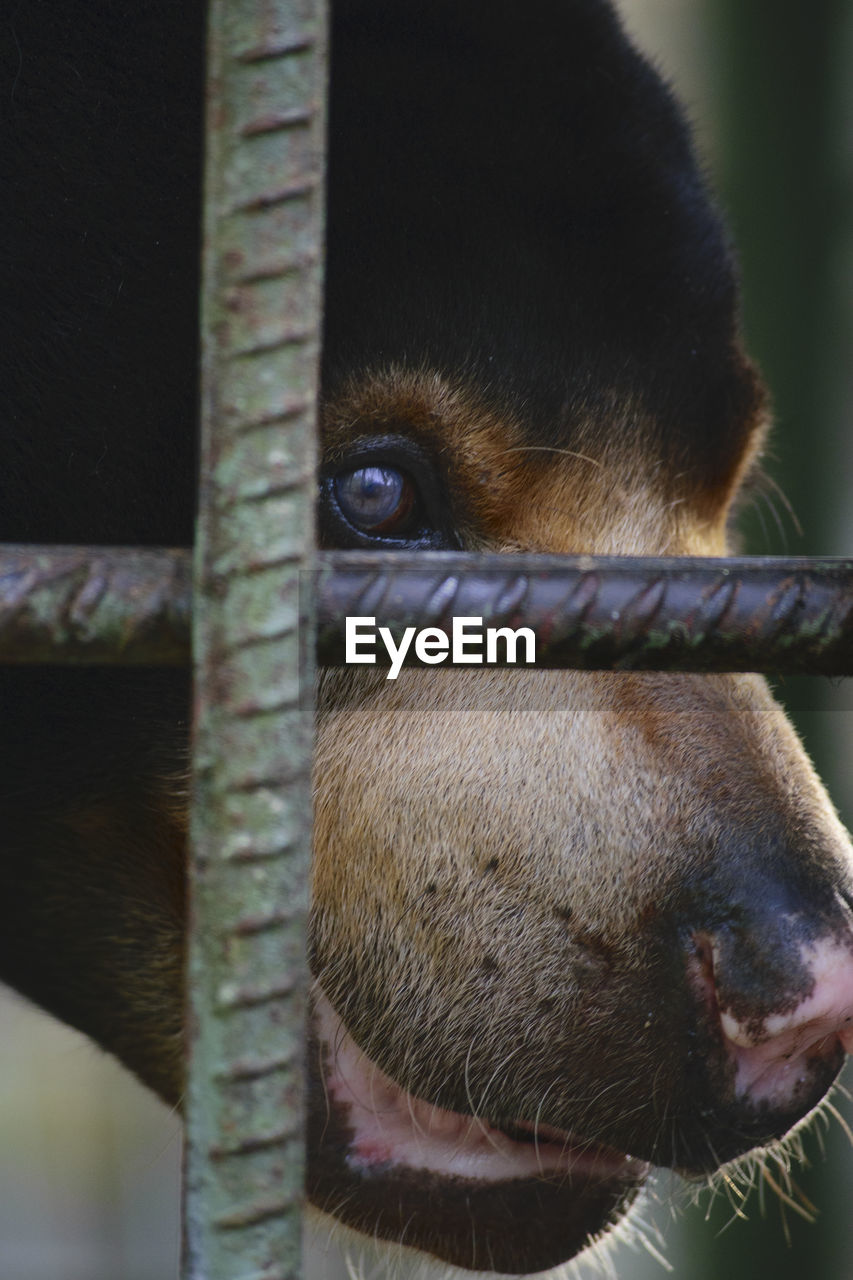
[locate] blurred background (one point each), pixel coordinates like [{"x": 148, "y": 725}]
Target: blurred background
[{"x": 90, "y": 1163}]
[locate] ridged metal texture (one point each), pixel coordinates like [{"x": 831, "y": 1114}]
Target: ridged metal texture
[
  {"x": 251, "y": 814},
  {"x": 95, "y": 605},
  {"x": 739, "y": 614},
  {"x": 105, "y": 605}
]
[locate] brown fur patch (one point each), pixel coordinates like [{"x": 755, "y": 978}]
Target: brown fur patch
[
  {"x": 612, "y": 496},
  {"x": 132, "y": 923}
]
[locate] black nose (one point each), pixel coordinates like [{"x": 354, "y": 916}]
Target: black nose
[{"x": 770, "y": 961}]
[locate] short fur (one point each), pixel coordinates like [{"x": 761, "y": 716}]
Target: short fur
[{"x": 531, "y": 302}]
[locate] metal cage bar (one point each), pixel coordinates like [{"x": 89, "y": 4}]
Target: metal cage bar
[
  {"x": 251, "y": 813},
  {"x": 783, "y": 616},
  {"x": 606, "y": 612}
]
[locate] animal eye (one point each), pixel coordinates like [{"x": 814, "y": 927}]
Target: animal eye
[
  {"x": 376, "y": 499},
  {"x": 386, "y": 493}
]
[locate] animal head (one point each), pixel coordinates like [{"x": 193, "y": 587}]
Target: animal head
[{"x": 565, "y": 925}]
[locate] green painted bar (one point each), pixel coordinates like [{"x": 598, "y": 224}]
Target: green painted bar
[{"x": 251, "y": 819}]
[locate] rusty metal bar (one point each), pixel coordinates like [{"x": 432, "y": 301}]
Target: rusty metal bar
[
  {"x": 251, "y": 816},
  {"x": 95, "y": 605},
  {"x": 598, "y": 613},
  {"x": 105, "y": 605}
]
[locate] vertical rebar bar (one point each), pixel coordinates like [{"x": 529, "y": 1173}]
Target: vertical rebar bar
[{"x": 251, "y": 802}]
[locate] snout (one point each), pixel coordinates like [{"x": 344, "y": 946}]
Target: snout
[
  {"x": 640, "y": 951},
  {"x": 776, "y": 1055},
  {"x": 773, "y": 981}
]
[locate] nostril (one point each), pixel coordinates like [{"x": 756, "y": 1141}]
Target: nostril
[{"x": 782, "y": 1034}]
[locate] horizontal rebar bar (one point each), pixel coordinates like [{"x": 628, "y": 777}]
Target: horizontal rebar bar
[
  {"x": 600, "y": 613},
  {"x": 116, "y": 605},
  {"x": 788, "y": 616}
]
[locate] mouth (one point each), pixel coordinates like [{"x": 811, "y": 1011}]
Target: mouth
[{"x": 513, "y": 1196}]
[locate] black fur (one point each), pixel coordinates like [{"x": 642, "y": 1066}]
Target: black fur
[
  {"x": 522, "y": 170},
  {"x": 101, "y": 107}
]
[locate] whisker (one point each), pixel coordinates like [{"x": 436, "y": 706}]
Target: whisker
[
  {"x": 785, "y": 500},
  {"x": 544, "y": 448},
  {"x": 836, "y": 1115},
  {"x": 476, "y": 1119},
  {"x": 808, "y": 1213},
  {"x": 536, "y": 1123}
]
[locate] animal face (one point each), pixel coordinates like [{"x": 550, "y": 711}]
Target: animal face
[
  {"x": 569, "y": 924},
  {"x": 565, "y": 925}
]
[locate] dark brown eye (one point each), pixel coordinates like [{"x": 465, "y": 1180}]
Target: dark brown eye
[
  {"x": 387, "y": 492},
  {"x": 375, "y": 499}
]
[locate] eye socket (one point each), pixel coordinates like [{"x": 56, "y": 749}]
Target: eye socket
[
  {"x": 376, "y": 499},
  {"x": 387, "y": 493}
]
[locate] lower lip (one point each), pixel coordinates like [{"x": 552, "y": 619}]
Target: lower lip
[{"x": 392, "y": 1127}]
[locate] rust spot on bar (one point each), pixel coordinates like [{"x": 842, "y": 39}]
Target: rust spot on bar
[
  {"x": 276, "y": 121},
  {"x": 249, "y": 1215},
  {"x": 281, "y": 49}
]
